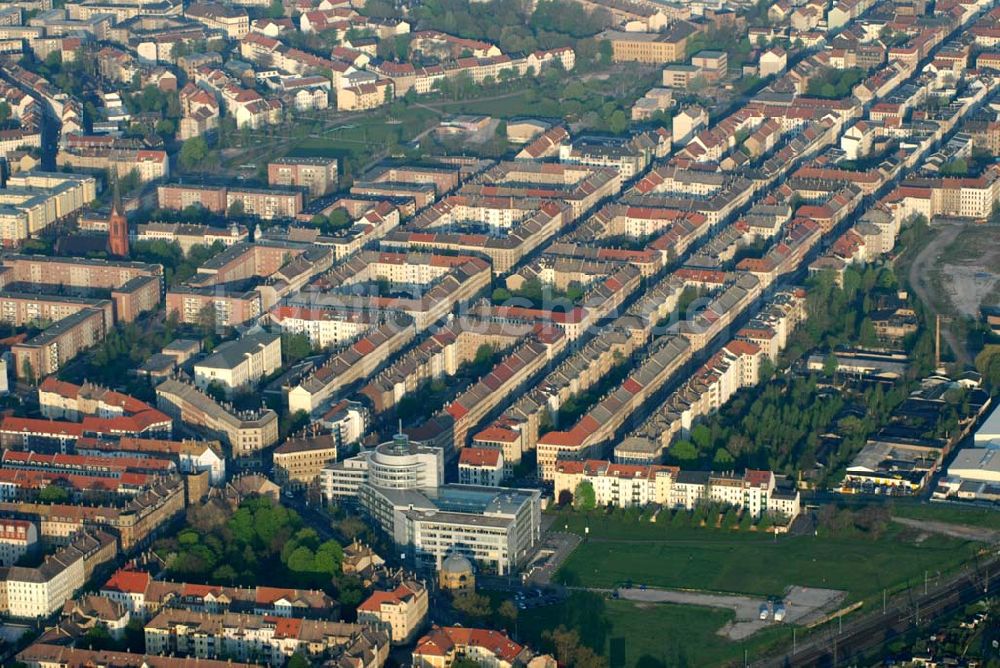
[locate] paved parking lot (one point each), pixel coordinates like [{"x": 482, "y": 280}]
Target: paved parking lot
[
  {"x": 802, "y": 605},
  {"x": 561, "y": 545}
]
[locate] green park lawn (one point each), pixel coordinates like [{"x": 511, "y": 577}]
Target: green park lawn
[
  {"x": 359, "y": 137},
  {"x": 618, "y": 550}
]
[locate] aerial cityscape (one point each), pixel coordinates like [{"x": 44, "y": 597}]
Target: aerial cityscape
[{"x": 499, "y": 333}]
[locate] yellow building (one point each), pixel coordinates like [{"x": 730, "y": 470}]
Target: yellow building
[
  {"x": 364, "y": 96},
  {"x": 649, "y": 47},
  {"x": 401, "y": 611},
  {"x": 299, "y": 460},
  {"x": 457, "y": 574}
]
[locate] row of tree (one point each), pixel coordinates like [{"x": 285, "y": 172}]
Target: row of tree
[{"x": 516, "y": 26}]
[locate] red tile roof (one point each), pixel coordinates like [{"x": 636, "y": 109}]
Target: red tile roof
[
  {"x": 443, "y": 641},
  {"x": 374, "y": 603},
  {"x": 128, "y": 581},
  {"x": 479, "y": 457}
]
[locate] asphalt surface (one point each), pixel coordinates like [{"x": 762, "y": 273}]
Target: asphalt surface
[
  {"x": 802, "y": 605},
  {"x": 562, "y": 545}
]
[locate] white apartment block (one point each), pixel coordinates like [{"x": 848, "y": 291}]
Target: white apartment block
[
  {"x": 32, "y": 201},
  {"x": 241, "y": 363},
  {"x": 625, "y": 485},
  {"x": 481, "y": 466},
  {"x": 324, "y": 327},
  {"x": 348, "y": 420},
  {"x": 17, "y": 538},
  {"x": 38, "y": 592}
]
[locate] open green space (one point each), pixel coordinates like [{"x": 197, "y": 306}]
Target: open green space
[
  {"x": 617, "y": 550},
  {"x": 951, "y": 513},
  {"x": 646, "y": 635},
  {"x": 359, "y": 137}
]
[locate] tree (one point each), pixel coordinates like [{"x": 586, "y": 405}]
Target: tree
[
  {"x": 135, "y": 637},
  {"x": 956, "y": 167},
  {"x": 295, "y": 347},
  {"x": 584, "y": 497},
  {"x": 484, "y": 354},
  {"x": 236, "y": 209},
  {"x": 722, "y": 459},
  {"x": 216, "y": 390},
  {"x": 680, "y": 519},
  {"x": 298, "y": 660},
  {"x": 4, "y": 112},
  {"x": 193, "y": 153},
  {"x": 867, "y": 336},
  {"x": 351, "y": 527},
  {"x": 340, "y": 219},
  {"x": 225, "y": 573},
  {"x": 830, "y": 365},
  {"x": 564, "y": 642},
  {"x": 465, "y": 662},
  {"x": 508, "y": 611},
  {"x": 988, "y": 364},
  {"x": 618, "y": 122},
  {"x": 207, "y": 320},
  {"x": 28, "y": 372},
  {"x": 701, "y": 436},
  {"x": 98, "y": 638},
  {"x": 606, "y": 50},
  {"x": 53, "y": 494},
  {"x": 575, "y": 90},
  {"x": 275, "y": 10},
  {"x": 684, "y": 450},
  {"x": 472, "y": 605},
  {"x": 165, "y": 128}
]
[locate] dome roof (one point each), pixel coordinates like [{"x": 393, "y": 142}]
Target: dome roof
[{"x": 456, "y": 563}]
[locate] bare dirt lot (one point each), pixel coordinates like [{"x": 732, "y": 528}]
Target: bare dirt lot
[
  {"x": 802, "y": 606},
  {"x": 956, "y": 273},
  {"x": 967, "y": 268}
]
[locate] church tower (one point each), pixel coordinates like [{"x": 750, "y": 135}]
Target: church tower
[{"x": 117, "y": 224}]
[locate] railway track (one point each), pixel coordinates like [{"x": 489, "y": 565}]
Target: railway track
[{"x": 909, "y": 611}]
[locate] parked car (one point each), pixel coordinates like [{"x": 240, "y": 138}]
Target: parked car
[
  {"x": 779, "y": 612},
  {"x": 764, "y": 611}
]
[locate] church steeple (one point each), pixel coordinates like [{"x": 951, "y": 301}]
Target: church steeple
[
  {"x": 116, "y": 194},
  {"x": 117, "y": 223}
]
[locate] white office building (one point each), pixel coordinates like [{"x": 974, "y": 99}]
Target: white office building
[
  {"x": 496, "y": 528},
  {"x": 396, "y": 464}
]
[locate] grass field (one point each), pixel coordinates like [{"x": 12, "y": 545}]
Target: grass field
[
  {"x": 719, "y": 560},
  {"x": 361, "y": 137},
  {"x": 647, "y": 635},
  {"x": 951, "y": 513}
]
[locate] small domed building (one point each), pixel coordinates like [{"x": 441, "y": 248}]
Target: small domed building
[{"x": 456, "y": 573}]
